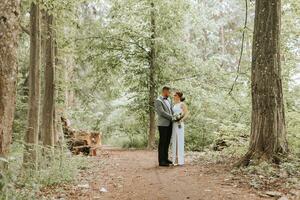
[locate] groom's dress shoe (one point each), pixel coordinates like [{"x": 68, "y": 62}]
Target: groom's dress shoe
[
  {"x": 170, "y": 162},
  {"x": 164, "y": 164}
]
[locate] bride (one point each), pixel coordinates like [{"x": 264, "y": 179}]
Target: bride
[{"x": 180, "y": 113}]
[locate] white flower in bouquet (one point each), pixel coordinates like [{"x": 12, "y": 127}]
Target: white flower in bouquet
[{"x": 177, "y": 117}]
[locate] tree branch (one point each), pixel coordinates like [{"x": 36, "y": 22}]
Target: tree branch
[
  {"x": 242, "y": 49},
  {"x": 119, "y": 39}
]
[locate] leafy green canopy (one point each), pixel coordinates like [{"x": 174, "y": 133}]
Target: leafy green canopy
[{"x": 103, "y": 52}]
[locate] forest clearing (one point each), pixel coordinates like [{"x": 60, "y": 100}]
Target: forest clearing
[{"x": 149, "y": 99}]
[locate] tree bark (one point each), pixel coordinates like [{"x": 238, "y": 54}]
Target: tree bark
[
  {"x": 31, "y": 136},
  {"x": 152, "y": 81},
  {"x": 48, "y": 100},
  {"x": 9, "y": 32},
  {"x": 268, "y": 130},
  {"x": 43, "y": 63}
]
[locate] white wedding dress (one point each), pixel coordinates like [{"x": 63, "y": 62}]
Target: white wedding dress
[{"x": 178, "y": 138}]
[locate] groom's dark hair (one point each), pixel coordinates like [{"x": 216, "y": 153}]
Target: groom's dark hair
[{"x": 166, "y": 88}]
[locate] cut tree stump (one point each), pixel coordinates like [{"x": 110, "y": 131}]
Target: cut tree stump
[{"x": 81, "y": 142}]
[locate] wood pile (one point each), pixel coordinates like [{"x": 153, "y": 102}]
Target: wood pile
[{"x": 81, "y": 142}]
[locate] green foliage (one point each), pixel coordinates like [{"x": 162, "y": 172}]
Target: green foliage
[
  {"x": 260, "y": 175},
  {"x": 108, "y": 43},
  {"x": 135, "y": 141},
  {"x": 102, "y": 81},
  {"x": 293, "y": 123},
  {"x": 24, "y": 184},
  {"x": 104, "y": 53}
]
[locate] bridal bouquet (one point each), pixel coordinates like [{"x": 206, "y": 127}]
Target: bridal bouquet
[{"x": 177, "y": 117}]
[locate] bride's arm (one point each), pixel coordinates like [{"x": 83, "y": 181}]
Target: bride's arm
[{"x": 185, "y": 111}]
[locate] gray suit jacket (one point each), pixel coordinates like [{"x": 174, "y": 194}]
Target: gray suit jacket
[{"x": 163, "y": 112}]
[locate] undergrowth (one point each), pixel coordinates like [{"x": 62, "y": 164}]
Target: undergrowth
[
  {"x": 262, "y": 176},
  {"x": 22, "y": 184}
]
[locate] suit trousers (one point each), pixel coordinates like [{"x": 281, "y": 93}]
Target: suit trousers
[{"x": 165, "y": 134}]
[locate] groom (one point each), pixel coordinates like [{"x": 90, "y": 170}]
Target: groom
[{"x": 163, "y": 107}]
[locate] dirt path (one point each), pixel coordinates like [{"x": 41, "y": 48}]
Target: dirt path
[{"x": 135, "y": 175}]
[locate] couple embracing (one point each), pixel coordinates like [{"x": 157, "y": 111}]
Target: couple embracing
[{"x": 171, "y": 116}]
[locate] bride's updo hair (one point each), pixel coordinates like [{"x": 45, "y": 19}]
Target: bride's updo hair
[{"x": 180, "y": 94}]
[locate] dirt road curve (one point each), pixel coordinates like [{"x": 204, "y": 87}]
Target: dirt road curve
[{"x": 134, "y": 175}]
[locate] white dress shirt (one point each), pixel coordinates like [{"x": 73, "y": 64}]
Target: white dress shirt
[{"x": 167, "y": 102}]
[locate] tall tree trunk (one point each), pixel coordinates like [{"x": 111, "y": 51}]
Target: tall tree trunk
[
  {"x": 31, "y": 137},
  {"x": 48, "y": 100},
  {"x": 69, "y": 76},
  {"x": 9, "y": 32},
  {"x": 59, "y": 94},
  {"x": 152, "y": 81},
  {"x": 222, "y": 34},
  {"x": 268, "y": 130},
  {"x": 70, "y": 96},
  {"x": 43, "y": 63}
]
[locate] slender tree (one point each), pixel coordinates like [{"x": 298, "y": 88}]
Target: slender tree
[
  {"x": 59, "y": 95},
  {"x": 47, "y": 131},
  {"x": 69, "y": 75},
  {"x": 268, "y": 130},
  {"x": 152, "y": 81},
  {"x": 31, "y": 137},
  {"x": 9, "y": 31}
]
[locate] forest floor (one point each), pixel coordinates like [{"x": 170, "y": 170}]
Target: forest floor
[{"x": 133, "y": 174}]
